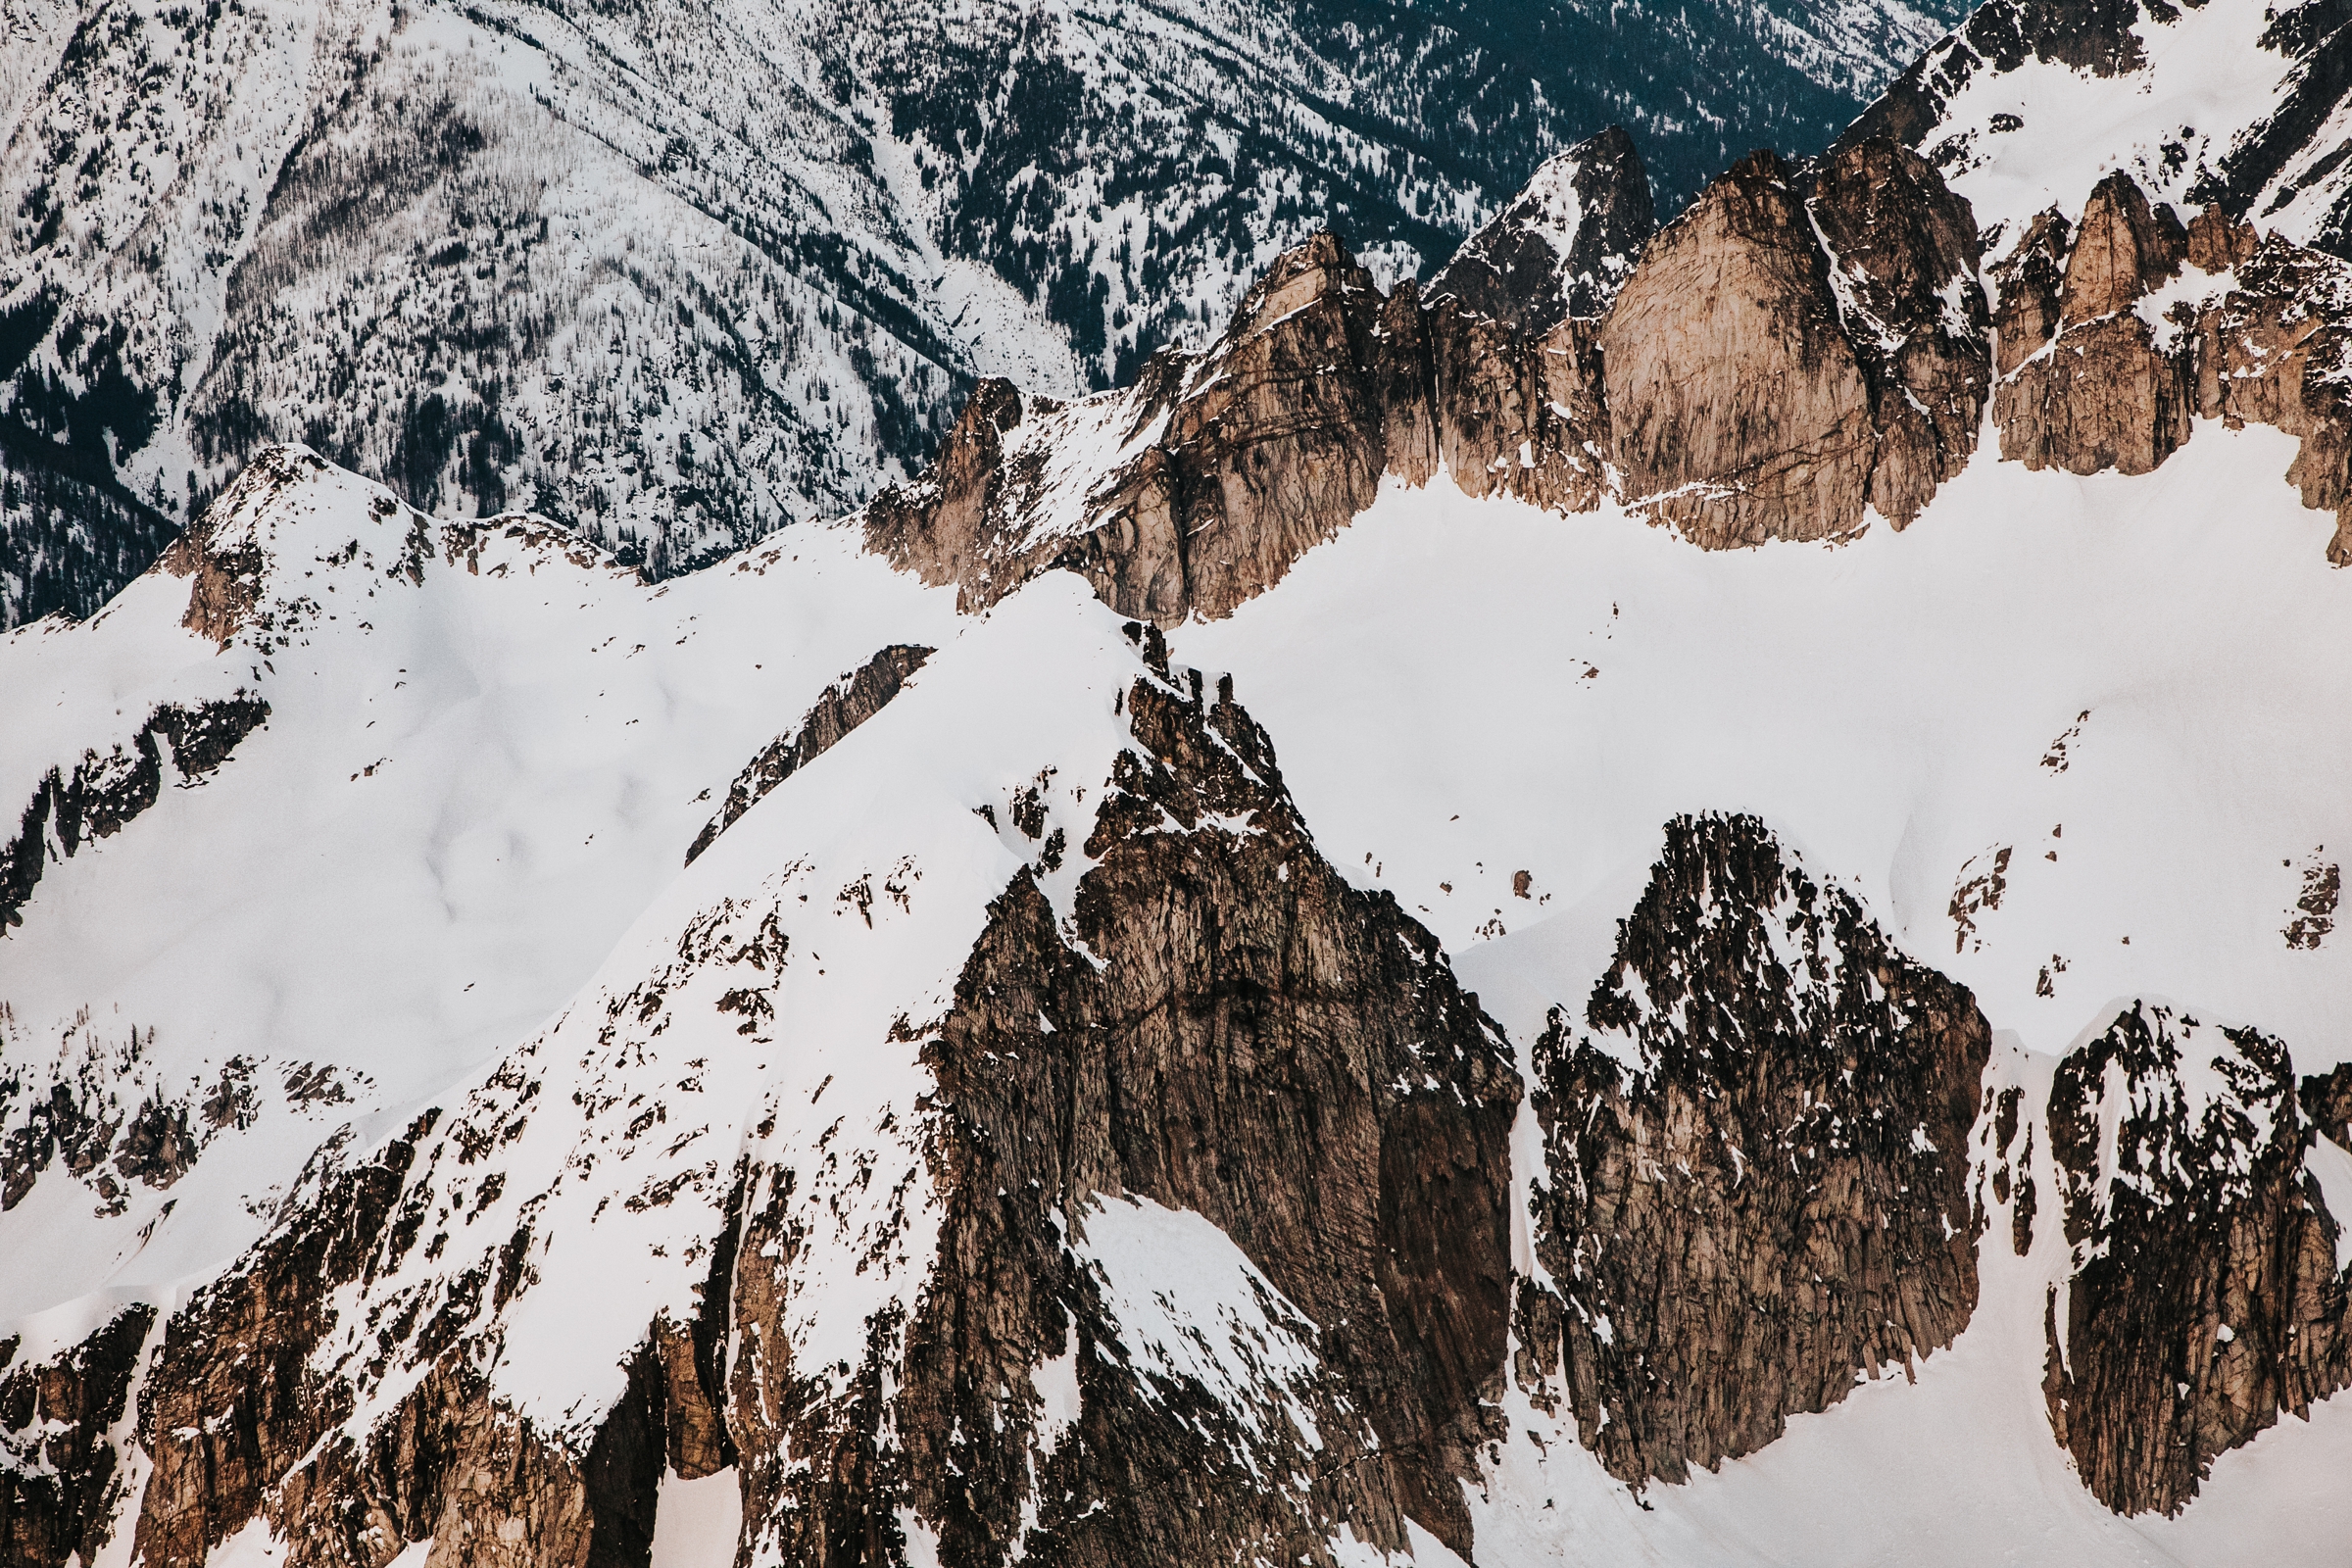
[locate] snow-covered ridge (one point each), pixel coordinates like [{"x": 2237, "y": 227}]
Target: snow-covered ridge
[
  {"x": 2231, "y": 103},
  {"x": 676, "y": 276}
]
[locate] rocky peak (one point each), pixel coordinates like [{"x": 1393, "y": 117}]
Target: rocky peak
[
  {"x": 1563, "y": 246},
  {"x": 2206, "y": 1296},
  {"x": 1902, "y": 256},
  {"x": 2124, "y": 249},
  {"x": 1760, "y": 1081},
  {"x": 2027, "y": 281}
]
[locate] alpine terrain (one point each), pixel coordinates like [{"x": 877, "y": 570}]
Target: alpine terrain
[
  {"x": 1617, "y": 893},
  {"x": 675, "y": 275}
]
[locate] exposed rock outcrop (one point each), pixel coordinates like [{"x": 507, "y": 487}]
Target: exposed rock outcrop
[
  {"x": 2102, "y": 394},
  {"x": 1218, "y": 1029},
  {"x": 1902, "y": 254},
  {"x": 2205, "y": 1298},
  {"x": 1755, "y": 1162},
  {"x": 1742, "y": 384},
  {"x": 1257, "y": 1042},
  {"x": 60, "y": 1481},
  {"x": 1739, "y": 404},
  {"x": 1196, "y": 488},
  {"x": 1563, "y": 246},
  {"x": 843, "y": 706},
  {"x": 2114, "y": 332},
  {"x": 103, "y": 794}
]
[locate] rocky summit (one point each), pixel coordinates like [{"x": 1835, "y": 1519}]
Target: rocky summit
[{"x": 1646, "y": 872}]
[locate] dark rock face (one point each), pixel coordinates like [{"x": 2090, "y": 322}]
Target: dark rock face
[
  {"x": 231, "y": 1403},
  {"x": 2205, "y": 1298},
  {"x": 59, "y": 1489},
  {"x": 1221, "y": 1024},
  {"x": 844, "y": 705},
  {"x": 2092, "y": 381},
  {"x": 104, "y": 793},
  {"x": 1746, "y": 385},
  {"x": 1225, "y": 1027},
  {"x": 2028, "y": 280},
  {"x": 1280, "y": 1052},
  {"x": 2274, "y": 350},
  {"x": 1564, "y": 244},
  {"x": 1756, "y": 1166},
  {"x": 1243, "y": 460}
]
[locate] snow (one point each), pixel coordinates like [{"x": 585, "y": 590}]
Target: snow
[
  {"x": 2330, "y": 1164},
  {"x": 1886, "y": 704},
  {"x": 2204, "y": 81},
  {"x": 495, "y": 919},
  {"x": 542, "y": 734},
  {"x": 1190, "y": 1307},
  {"x": 696, "y": 1523}
]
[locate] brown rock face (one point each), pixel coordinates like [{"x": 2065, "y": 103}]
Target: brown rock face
[
  {"x": 1746, "y": 386},
  {"x": 59, "y": 1491},
  {"x": 1755, "y": 1164},
  {"x": 1902, "y": 252},
  {"x": 1220, "y": 1025},
  {"x": 2205, "y": 1298},
  {"x": 1740, "y": 408},
  {"x": 844, "y": 706},
  {"x": 2105, "y": 395},
  {"x": 1521, "y": 416},
  {"x": 2028, "y": 280},
  {"x": 1235, "y": 464},
  {"x": 1242, "y": 1035},
  {"x": 2275, "y": 351}
]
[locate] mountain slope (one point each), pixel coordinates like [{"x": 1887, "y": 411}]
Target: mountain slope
[
  {"x": 1323, "y": 957},
  {"x": 678, "y": 275},
  {"x": 2230, "y": 104}
]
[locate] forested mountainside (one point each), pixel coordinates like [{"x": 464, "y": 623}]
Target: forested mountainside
[
  {"x": 1674, "y": 900},
  {"x": 676, "y": 275}
]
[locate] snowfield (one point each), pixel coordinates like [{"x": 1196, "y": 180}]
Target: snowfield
[{"x": 2070, "y": 740}]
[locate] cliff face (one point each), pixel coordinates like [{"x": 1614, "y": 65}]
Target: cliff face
[
  {"x": 1755, "y": 1164},
  {"x": 2102, "y": 396},
  {"x": 1739, "y": 404},
  {"x": 2116, "y": 331},
  {"x": 2206, "y": 1297},
  {"x": 1254, "y": 1042},
  {"x": 1802, "y": 347},
  {"x": 61, "y": 1473},
  {"x": 1797, "y": 345}
]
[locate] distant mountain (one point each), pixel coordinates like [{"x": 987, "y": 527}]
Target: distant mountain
[{"x": 679, "y": 274}]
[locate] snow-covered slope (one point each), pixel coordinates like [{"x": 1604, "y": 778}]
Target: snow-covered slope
[
  {"x": 466, "y": 809},
  {"x": 676, "y": 275},
  {"x": 2235, "y": 104}
]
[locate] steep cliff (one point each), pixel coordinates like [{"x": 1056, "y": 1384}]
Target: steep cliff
[
  {"x": 1755, "y": 1164},
  {"x": 2209, "y": 1287}
]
